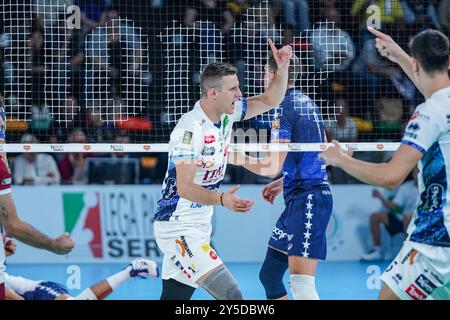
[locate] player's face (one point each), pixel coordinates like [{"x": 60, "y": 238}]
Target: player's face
[{"x": 229, "y": 94}]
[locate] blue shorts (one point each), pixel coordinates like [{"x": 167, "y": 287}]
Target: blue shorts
[
  {"x": 46, "y": 290},
  {"x": 301, "y": 228}
]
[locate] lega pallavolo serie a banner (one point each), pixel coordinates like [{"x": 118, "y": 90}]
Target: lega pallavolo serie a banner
[{"x": 114, "y": 223}]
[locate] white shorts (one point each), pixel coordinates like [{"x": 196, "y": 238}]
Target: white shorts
[
  {"x": 414, "y": 275},
  {"x": 187, "y": 251}
]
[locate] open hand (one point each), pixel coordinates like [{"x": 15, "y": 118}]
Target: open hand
[{"x": 234, "y": 203}]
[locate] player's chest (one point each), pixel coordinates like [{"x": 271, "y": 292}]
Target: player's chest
[{"x": 216, "y": 145}]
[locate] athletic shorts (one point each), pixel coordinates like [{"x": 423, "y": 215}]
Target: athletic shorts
[
  {"x": 413, "y": 275},
  {"x": 46, "y": 290},
  {"x": 188, "y": 254},
  {"x": 301, "y": 228}
]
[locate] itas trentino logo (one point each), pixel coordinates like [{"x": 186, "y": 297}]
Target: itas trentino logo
[{"x": 83, "y": 221}]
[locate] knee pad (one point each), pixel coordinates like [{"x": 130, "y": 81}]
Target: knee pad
[
  {"x": 303, "y": 287},
  {"x": 221, "y": 285},
  {"x": 272, "y": 272}
]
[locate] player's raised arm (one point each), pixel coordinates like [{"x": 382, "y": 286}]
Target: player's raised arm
[
  {"x": 388, "y": 48},
  {"x": 389, "y": 175},
  {"x": 274, "y": 94}
]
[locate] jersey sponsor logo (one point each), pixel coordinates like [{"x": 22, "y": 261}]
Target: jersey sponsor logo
[
  {"x": 193, "y": 268},
  {"x": 208, "y": 151},
  {"x": 425, "y": 284},
  {"x": 391, "y": 266},
  {"x": 411, "y": 135},
  {"x": 413, "y": 126},
  {"x": 411, "y": 129},
  {"x": 57, "y": 147},
  {"x": 211, "y": 176},
  {"x": 183, "y": 247},
  {"x": 410, "y": 255},
  {"x": 433, "y": 197},
  {"x": 182, "y": 269},
  {"x": 213, "y": 255},
  {"x": 195, "y": 205},
  {"x": 205, "y": 164},
  {"x": 6, "y": 181},
  {"x": 420, "y": 116},
  {"x": 278, "y": 234},
  {"x": 187, "y": 137},
  {"x": 206, "y": 247},
  {"x": 209, "y": 139},
  {"x": 170, "y": 189},
  {"x": 415, "y": 293},
  {"x": 397, "y": 278}
]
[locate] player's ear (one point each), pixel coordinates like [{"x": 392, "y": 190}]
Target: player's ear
[
  {"x": 416, "y": 66},
  {"x": 212, "y": 92}
]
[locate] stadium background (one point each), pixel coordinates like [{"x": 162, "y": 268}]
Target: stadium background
[{"x": 55, "y": 80}]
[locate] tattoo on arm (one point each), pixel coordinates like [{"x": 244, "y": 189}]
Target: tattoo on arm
[{"x": 3, "y": 215}]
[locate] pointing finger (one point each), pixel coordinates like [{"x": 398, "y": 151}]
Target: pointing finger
[{"x": 377, "y": 33}]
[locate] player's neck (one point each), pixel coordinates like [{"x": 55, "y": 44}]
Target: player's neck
[
  {"x": 431, "y": 85},
  {"x": 210, "y": 111}
]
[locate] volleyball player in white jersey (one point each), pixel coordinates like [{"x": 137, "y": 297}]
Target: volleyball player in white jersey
[
  {"x": 421, "y": 270},
  {"x": 198, "y": 152}
]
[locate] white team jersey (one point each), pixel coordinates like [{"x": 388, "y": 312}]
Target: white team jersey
[
  {"x": 196, "y": 137},
  {"x": 429, "y": 132}
]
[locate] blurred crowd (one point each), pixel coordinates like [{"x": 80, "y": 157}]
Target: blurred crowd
[{"x": 76, "y": 84}]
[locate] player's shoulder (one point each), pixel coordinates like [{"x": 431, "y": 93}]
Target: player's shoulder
[
  {"x": 188, "y": 120},
  {"x": 296, "y": 102},
  {"x": 438, "y": 103}
]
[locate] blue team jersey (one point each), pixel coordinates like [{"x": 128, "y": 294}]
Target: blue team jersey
[{"x": 298, "y": 120}]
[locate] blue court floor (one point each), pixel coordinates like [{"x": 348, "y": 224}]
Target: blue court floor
[{"x": 335, "y": 280}]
